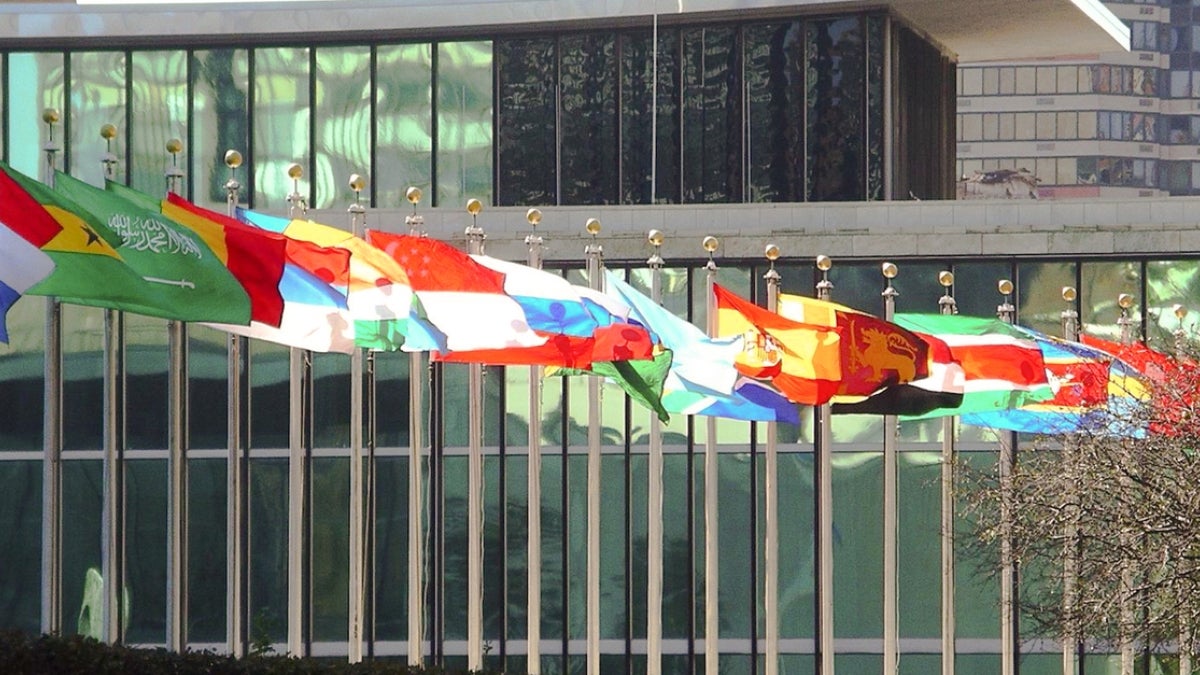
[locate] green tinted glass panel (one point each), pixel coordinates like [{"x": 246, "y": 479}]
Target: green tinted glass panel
[
  {"x": 1170, "y": 283},
  {"x": 403, "y": 122},
  {"x": 918, "y": 573},
  {"x": 268, "y": 534},
  {"x": 220, "y": 122},
  {"x": 83, "y": 365},
  {"x": 208, "y": 387},
  {"x": 147, "y": 409},
  {"x": 976, "y": 593},
  {"x": 392, "y": 394},
  {"x": 858, "y": 539},
  {"x": 207, "y": 559},
  {"x": 158, "y": 111},
  {"x": 331, "y": 401},
  {"x": 516, "y": 570},
  {"x": 341, "y": 124},
  {"x": 81, "y": 580},
  {"x": 614, "y": 513},
  {"x": 975, "y": 287},
  {"x": 97, "y": 98},
  {"x": 145, "y": 553},
  {"x": 281, "y": 125},
  {"x": 1039, "y": 294},
  {"x": 269, "y": 405},
  {"x": 391, "y": 548},
  {"x": 494, "y": 570},
  {"x": 455, "y": 538},
  {"x": 464, "y": 136},
  {"x": 553, "y": 579},
  {"x": 39, "y": 77},
  {"x": 21, "y": 545},
  {"x": 736, "y": 504},
  {"x": 330, "y": 554},
  {"x": 1102, "y": 283}
]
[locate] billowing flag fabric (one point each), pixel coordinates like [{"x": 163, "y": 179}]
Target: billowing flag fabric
[
  {"x": 1153, "y": 364},
  {"x": 21, "y": 266},
  {"x": 801, "y": 360},
  {"x": 463, "y": 300},
  {"x": 378, "y": 294},
  {"x": 83, "y": 251},
  {"x": 1002, "y": 367},
  {"x": 642, "y": 379},
  {"x": 702, "y": 379},
  {"x": 550, "y": 303},
  {"x": 165, "y": 254},
  {"x": 313, "y": 287},
  {"x": 942, "y": 390},
  {"x": 1079, "y": 378},
  {"x": 255, "y": 258},
  {"x": 873, "y": 353}
]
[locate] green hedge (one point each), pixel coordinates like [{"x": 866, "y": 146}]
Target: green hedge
[{"x": 23, "y": 654}]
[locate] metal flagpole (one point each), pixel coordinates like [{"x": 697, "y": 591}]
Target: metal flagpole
[
  {"x": 52, "y": 396},
  {"x": 236, "y": 349},
  {"x": 824, "y": 509},
  {"x": 534, "y": 536},
  {"x": 594, "y": 252},
  {"x": 947, "y": 306},
  {"x": 1124, "y": 302},
  {"x": 654, "y": 499},
  {"x": 1070, "y": 330},
  {"x": 298, "y": 369},
  {"x": 891, "y": 655},
  {"x": 1186, "y": 641},
  {"x": 357, "y": 571},
  {"x": 177, "y": 443},
  {"x": 416, "y": 501},
  {"x": 111, "y": 571},
  {"x": 1006, "y": 312},
  {"x": 771, "y": 488},
  {"x": 711, "y": 490},
  {"x": 475, "y": 238}
]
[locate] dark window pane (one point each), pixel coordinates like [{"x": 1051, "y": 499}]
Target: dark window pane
[
  {"x": 391, "y": 549},
  {"x": 21, "y": 383},
  {"x": 269, "y": 404},
  {"x": 146, "y": 405},
  {"x": 83, "y": 363},
  {"x": 775, "y": 86},
  {"x": 208, "y": 387},
  {"x": 207, "y": 480},
  {"x": 268, "y": 538},
  {"x": 875, "y": 100},
  {"x": 589, "y": 119},
  {"x": 145, "y": 518},
  {"x": 330, "y": 555},
  {"x": 712, "y": 102},
  {"x": 526, "y": 145},
  {"x": 21, "y": 545},
  {"x": 835, "y": 77},
  {"x": 81, "y": 583},
  {"x": 331, "y": 401}
]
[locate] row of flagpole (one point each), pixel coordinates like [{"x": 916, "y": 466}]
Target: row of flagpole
[{"x": 300, "y": 399}]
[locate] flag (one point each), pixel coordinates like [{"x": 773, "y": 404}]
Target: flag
[
  {"x": 1002, "y": 367},
  {"x": 22, "y": 265},
  {"x": 801, "y": 360},
  {"x": 165, "y": 254},
  {"x": 942, "y": 389},
  {"x": 873, "y": 353},
  {"x": 83, "y": 251},
  {"x": 255, "y": 258},
  {"x": 461, "y": 298},
  {"x": 702, "y": 379},
  {"x": 382, "y": 312},
  {"x": 549, "y": 301},
  {"x": 642, "y": 380},
  {"x": 1079, "y": 381},
  {"x": 312, "y": 287}
]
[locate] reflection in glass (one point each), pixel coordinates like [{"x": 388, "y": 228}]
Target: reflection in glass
[
  {"x": 711, "y": 109},
  {"x": 918, "y": 571},
  {"x": 975, "y": 287},
  {"x": 464, "y": 137},
  {"x": 220, "y": 122},
  {"x": 158, "y": 111},
  {"x": 588, "y": 133},
  {"x": 97, "y": 98},
  {"x": 526, "y": 147},
  {"x": 342, "y": 124},
  {"x": 857, "y": 566},
  {"x": 390, "y": 593},
  {"x": 736, "y": 554},
  {"x": 269, "y": 405},
  {"x": 391, "y": 390},
  {"x": 875, "y": 102},
  {"x": 81, "y": 485},
  {"x": 331, "y": 401},
  {"x": 774, "y": 72},
  {"x": 637, "y": 102},
  {"x": 281, "y": 124},
  {"x": 836, "y": 70},
  {"x": 1039, "y": 294},
  {"x": 1101, "y": 285},
  {"x": 1170, "y": 283},
  {"x": 39, "y": 78},
  {"x": 403, "y": 122}
]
